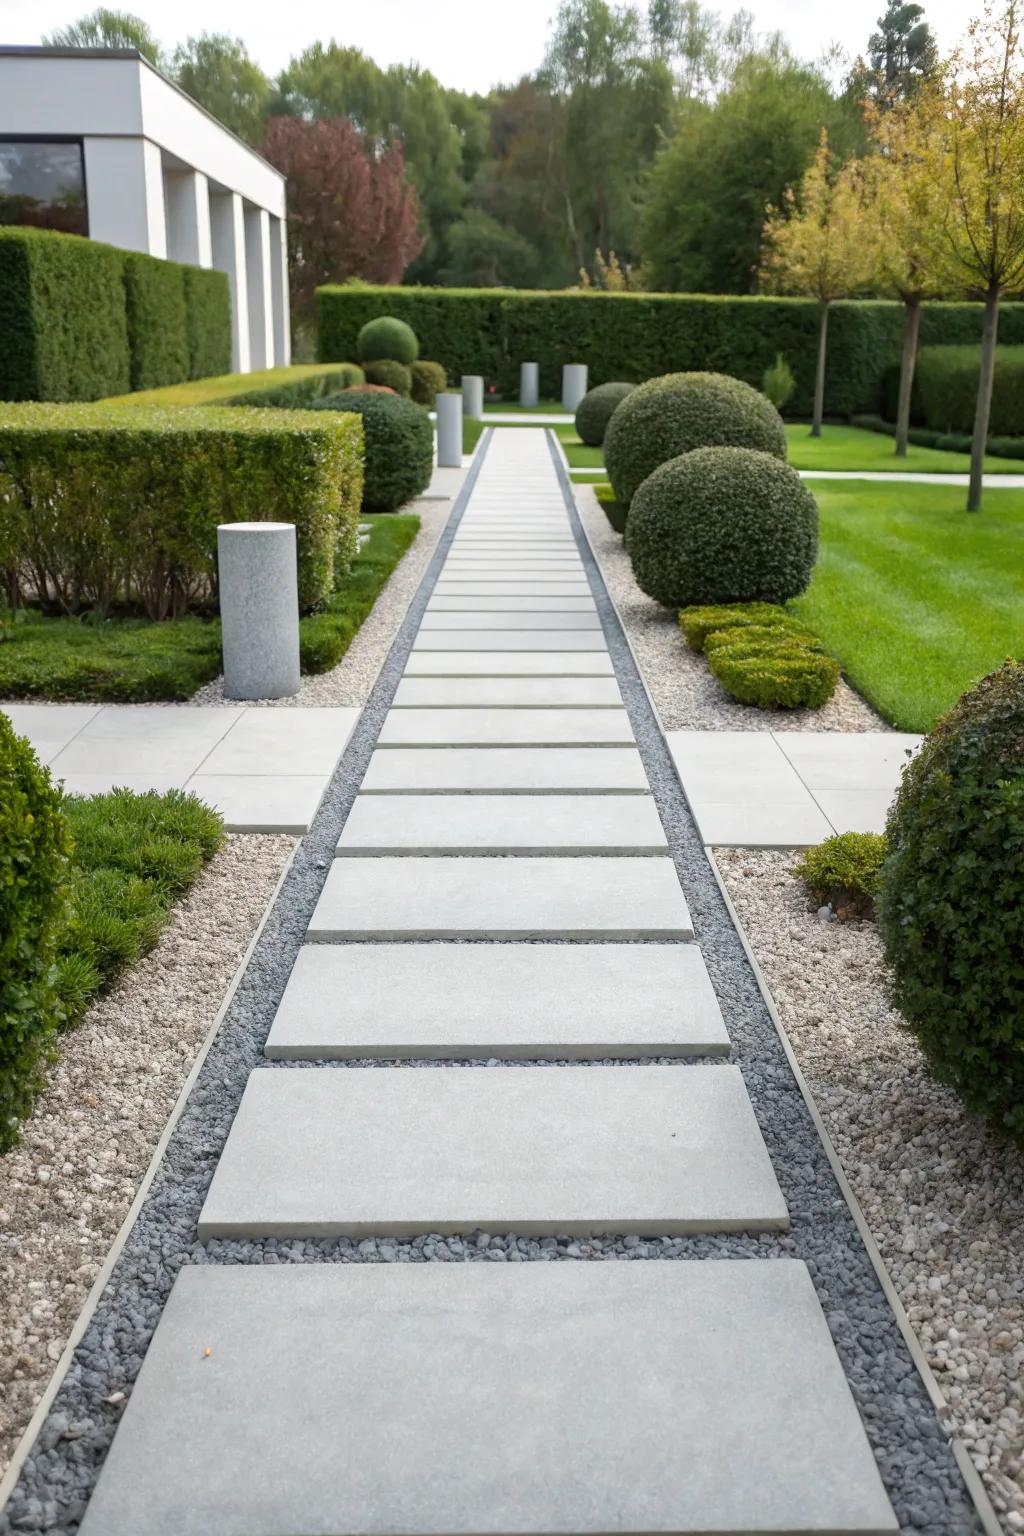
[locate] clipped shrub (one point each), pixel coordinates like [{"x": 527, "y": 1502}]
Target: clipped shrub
[
  {"x": 612, "y": 509},
  {"x": 368, "y": 389},
  {"x": 428, "y": 381},
  {"x": 387, "y": 338},
  {"x": 843, "y": 872},
  {"x": 157, "y": 339},
  {"x": 698, "y": 623},
  {"x": 594, "y": 411},
  {"x": 778, "y": 382},
  {"x": 763, "y": 639},
  {"x": 949, "y": 901},
  {"x": 772, "y": 673},
  {"x": 286, "y": 388},
  {"x": 946, "y": 390},
  {"x": 722, "y": 525},
  {"x": 207, "y": 321},
  {"x": 393, "y": 376},
  {"x": 34, "y": 847},
  {"x": 679, "y": 412},
  {"x": 399, "y": 446}
]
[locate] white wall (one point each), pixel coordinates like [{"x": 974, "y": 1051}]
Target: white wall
[{"x": 124, "y": 189}]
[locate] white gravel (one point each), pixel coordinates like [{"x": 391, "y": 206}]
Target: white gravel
[
  {"x": 66, "y": 1189},
  {"x": 944, "y": 1200},
  {"x": 685, "y": 694}
]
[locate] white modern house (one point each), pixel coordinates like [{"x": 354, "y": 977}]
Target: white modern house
[{"x": 98, "y": 142}]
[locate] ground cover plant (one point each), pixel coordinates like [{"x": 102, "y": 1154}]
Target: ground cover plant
[
  {"x": 917, "y": 600},
  {"x": 772, "y": 667},
  {"x": 843, "y": 873}
]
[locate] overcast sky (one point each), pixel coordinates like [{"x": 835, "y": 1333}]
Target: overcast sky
[{"x": 471, "y": 44}]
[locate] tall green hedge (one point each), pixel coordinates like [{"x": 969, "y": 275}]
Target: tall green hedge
[
  {"x": 293, "y": 387},
  {"x": 157, "y": 320},
  {"x": 947, "y": 388},
  {"x": 207, "y": 321},
  {"x": 636, "y": 336}
]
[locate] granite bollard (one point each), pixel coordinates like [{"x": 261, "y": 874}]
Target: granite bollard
[
  {"x": 529, "y": 384},
  {"x": 473, "y": 395},
  {"x": 259, "y": 609},
  {"x": 449, "y": 430},
  {"x": 574, "y": 385}
]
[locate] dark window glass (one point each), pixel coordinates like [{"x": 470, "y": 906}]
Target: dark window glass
[{"x": 42, "y": 184}]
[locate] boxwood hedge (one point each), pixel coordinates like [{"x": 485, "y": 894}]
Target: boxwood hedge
[{"x": 399, "y": 446}]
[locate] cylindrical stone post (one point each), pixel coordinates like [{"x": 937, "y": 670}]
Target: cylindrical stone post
[
  {"x": 449, "y": 430},
  {"x": 574, "y": 385},
  {"x": 259, "y": 609},
  {"x": 473, "y": 395},
  {"x": 529, "y": 384}
]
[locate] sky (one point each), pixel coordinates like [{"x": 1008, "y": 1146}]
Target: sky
[{"x": 468, "y": 44}]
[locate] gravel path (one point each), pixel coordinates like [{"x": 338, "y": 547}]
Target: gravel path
[
  {"x": 944, "y": 1200},
  {"x": 685, "y": 694},
  {"x": 66, "y": 1189}
]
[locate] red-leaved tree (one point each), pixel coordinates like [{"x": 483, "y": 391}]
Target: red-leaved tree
[{"x": 351, "y": 211}]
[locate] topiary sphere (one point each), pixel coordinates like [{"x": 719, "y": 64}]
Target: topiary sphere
[
  {"x": 679, "y": 412},
  {"x": 428, "y": 380},
  {"x": 387, "y": 338},
  {"x": 398, "y": 446},
  {"x": 722, "y": 525},
  {"x": 950, "y": 898},
  {"x": 594, "y": 411},
  {"x": 392, "y": 375}
]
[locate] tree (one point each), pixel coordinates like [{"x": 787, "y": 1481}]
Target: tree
[
  {"x": 351, "y": 210},
  {"x": 819, "y": 244},
  {"x": 217, "y": 72},
  {"x": 485, "y": 254},
  {"x": 107, "y": 29},
  {"x": 902, "y": 51}
]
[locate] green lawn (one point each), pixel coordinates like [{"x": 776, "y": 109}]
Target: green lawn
[
  {"x": 545, "y": 408},
  {"x": 916, "y": 597},
  {"x": 472, "y": 430}
]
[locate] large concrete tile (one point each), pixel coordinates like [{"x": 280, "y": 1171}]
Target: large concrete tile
[
  {"x": 579, "y": 1149},
  {"x": 509, "y": 640},
  {"x": 509, "y": 664},
  {"x": 278, "y": 741},
  {"x": 168, "y": 741},
  {"x": 741, "y": 765},
  {"x": 760, "y": 824},
  {"x": 515, "y": 603},
  {"x": 50, "y": 727},
  {"x": 506, "y": 1000},
  {"x": 496, "y": 589},
  {"x": 507, "y": 620},
  {"x": 505, "y": 727},
  {"x": 513, "y": 824},
  {"x": 848, "y": 760},
  {"x": 489, "y": 1399},
  {"x": 251, "y": 802},
  {"x": 505, "y": 770},
  {"x": 507, "y": 692},
  {"x": 856, "y": 810},
  {"x": 501, "y": 898}
]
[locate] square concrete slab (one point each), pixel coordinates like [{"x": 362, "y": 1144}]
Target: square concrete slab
[
  {"x": 856, "y": 810},
  {"x": 251, "y": 802},
  {"x": 754, "y": 824},
  {"x": 848, "y": 760},
  {"x": 507, "y": 1000},
  {"x": 509, "y": 640},
  {"x": 507, "y": 692},
  {"x": 580, "y": 1149},
  {"x": 598, "y": 897},
  {"x": 509, "y": 664},
  {"x": 50, "y": 727},
  {"x": 460, "y": 1400},
  {"x": 274, "y": 741},
  {"x": 513, "y": 824},
  {"x": 506, "y": 770},
  {"x": 505, "y": 728}
]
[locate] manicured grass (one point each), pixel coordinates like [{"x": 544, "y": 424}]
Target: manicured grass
[
  {"x": 916, "y": 597},
  {"x": 325, "y": 637},
  {"x": 472, "y": 431},
  {"x": 842, "y": 447},
  {"x": 545, "y": 408}
]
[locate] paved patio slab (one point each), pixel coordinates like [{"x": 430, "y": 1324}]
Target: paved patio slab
[
  {"x": 506, "y": 1000},
  {"x": 507, "y": 770},
  {"x": 509, "y": 664},
  {"x": 505, "y": 728},
  {"x": 579, "y": 1149},
  {"x": 508, "y": 693},
  {"x": 510, "y": 620},
  {"x": 510, "y": 640},
  {"x": 503, "y": 824},
  {"x": 511, "y": 603}
]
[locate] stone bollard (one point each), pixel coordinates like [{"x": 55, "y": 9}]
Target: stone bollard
[
  {"x": 449, "y": 430},
  {"x": 473, "y": 396},
  {"x": 259, "y": 609},
  {"x": 529, "y": 384},
  {"x": 574, "y": 385}
]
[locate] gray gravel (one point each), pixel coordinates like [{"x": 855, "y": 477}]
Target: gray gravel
[{"x": 916, "y": 1463}]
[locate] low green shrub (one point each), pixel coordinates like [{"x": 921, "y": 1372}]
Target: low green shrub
[
  {"x": 595, "y": 410},
  {"x": 126, "y": 661},
  {"x": 945, "y": 391},
  {"x": 843, "y": 873},
  {"x": 386, "y": 338},
  {"x": 293, "y": 387},
  {"x": 34, "y": 848},
  {"x": 391, "y": 375},
  {"x": 428, "y": 381},
  {"x": 157, "y": 325},
  {"x": 613, "y": 510},
  {"x": 722, "y": 525},
  {"x": 948, "y": 442},
  {"x": 399, "y": 447},
  {"x": 778, "y": 383},
  {"x": 950, "y": 898},
  {"x": 700, "y": 622},
  {"x": 207, "y": 321},
  {"x": 763, "y": 640},
  {"x": 779, "y": 675}
]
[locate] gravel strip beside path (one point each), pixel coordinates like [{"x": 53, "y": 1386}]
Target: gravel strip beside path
[
  {"x": 685, "y": 694},
  {"x": 943, "y": 1198},
  {"x": 66, "y": 1189}
]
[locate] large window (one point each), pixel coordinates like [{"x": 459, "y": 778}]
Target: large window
[{"x": 42, "y": 183}]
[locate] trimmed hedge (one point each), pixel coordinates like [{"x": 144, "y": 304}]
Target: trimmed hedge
[
  {"x": 387, "y": 340},
  {"x": 946, "y": 381},
  {"x": 595, "y": 411},
  {"x": 843, "y": 872},
  {"x": 391, "y": 375},
  {"x": 640, "y": 335},
  {"x": 428, "y": 381},
  {"x": 104, "y": 506},
  {"x": 699, "y": 623},
  {"x": 207, "y": 321},
  {"x": 286, "y": 388},
  {"x": 399, "y": 446},
  {"x": 157, "y": 336},
  {"x": 950, "y": 442},
  {"x": 771, "y": 669}
]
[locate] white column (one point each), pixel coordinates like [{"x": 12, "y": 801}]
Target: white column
[
  {"x": 124, "y": 181},
  {"x": 227, "y": 224},
  {"x": 258, "y": 282},
  {"x": 279, "y": 292},
  {"x": 189, "y": 236}
]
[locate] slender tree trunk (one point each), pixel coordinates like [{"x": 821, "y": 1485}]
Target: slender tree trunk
[
  {"x": 983, "y": 409},
  {"x": 819, "y": 380},
  {"x": 911, "y": 327}
]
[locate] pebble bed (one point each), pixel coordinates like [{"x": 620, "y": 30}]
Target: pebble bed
[
  {"x": 944, "y": 1200},
  {"x": 65, "y": 1190},
  {"x": 913, "y": 1454}
]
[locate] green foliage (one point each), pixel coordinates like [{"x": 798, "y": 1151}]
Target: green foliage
[
  {"x": 946, "y": 387},
  {"x": 778, "y": 382},
  {"x": 594, "y": 411},
  {"x": 325, "y": 637},
  {"x": 399, "y": 447},
  {"x": 700, "y": 622},
  {"x": 34, "y": 846},
  {"x": 843, "y": 872},
  {"x": 484, "y": 253},
  {"x": 63, "y": 327},
  {"x": 390, "y": 375},
  {"x": 207, "y": 321},
  {"x": 771, "y": 669},
  {"x": 157, "y": 336},
  {"x": 387, "y": 339},
  {"x": 722, "y": 525},
  {"x": 108, "y": 505},
  {"x": 678, "y": 412},
  {"x": 949, "y": 904},
  {"x": 110, "y": 660},
  {"x": 613, "y": 510},
  {"x": 945, "y": 442},
  {"x": 106, "y": 28},
  {"x": 428, "y": 381},
  {"x": 287, "y": 388},
  {"x": 216, "y": 71}
]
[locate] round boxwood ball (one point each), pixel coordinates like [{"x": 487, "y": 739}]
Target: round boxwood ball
[
  {"x": 392, "y": 375},
  {"x": 398, "y": 446},
  {"x": 387, "y": 338},
  {"x": 679, "y": 412},
  {"x": 594, "y": 411},
  {"x": 722, "y": 525}
]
